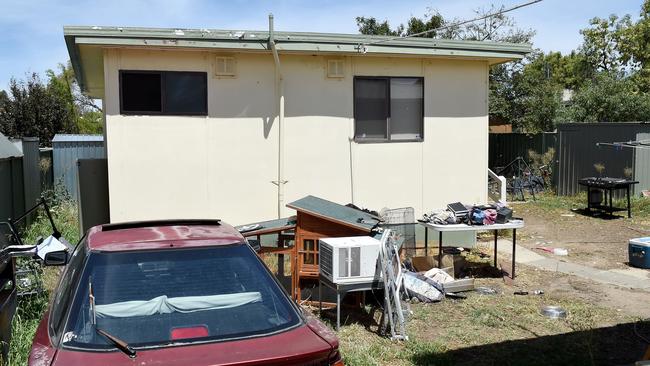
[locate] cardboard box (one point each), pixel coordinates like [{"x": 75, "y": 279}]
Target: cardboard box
[{"x": 452, "y": 264}]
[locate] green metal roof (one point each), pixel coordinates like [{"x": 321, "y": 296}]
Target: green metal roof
[
  {"x": 267, "y": 227},
  {"x": 77, "y": 37},
  {"x": 334, "y": 212}
]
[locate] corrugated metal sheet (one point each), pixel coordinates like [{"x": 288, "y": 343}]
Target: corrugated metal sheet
[
  {"x": 31, "y": 174},
  {"x": 93, "y": 193},
  {"x": 335, "y": 212},
  {"x": 642, "y": 163},
  {"x": 8, "y": 149},
  {"x": 12, "y": 193},
  {"x": 66, "y": 150},
  {"x": 505, "y": 147},
  {"x": 577, "y": 151},
  {"x": 62, "y": 137}
]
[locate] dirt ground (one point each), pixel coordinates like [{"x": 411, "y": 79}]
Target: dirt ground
[
  {"x": 595, "y": 241},
  {"x": 508, "y": 329},
  {"x": 606, "y": 325}
]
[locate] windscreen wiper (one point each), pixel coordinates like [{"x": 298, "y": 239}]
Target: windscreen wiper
[{"x": 120, "y": 344}]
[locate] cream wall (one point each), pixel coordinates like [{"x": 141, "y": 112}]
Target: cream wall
[{"x": 222, "y": 165}]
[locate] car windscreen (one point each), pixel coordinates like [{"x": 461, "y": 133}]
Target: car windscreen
[{"x": 153, "y": 298}]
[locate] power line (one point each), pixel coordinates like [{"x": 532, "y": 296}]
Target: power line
[{"x": 503, "y": 11}]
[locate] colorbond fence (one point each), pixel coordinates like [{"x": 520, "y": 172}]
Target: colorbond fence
[{"x": 576, "y": 152}]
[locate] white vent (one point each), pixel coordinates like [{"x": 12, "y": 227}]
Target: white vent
[
  {"x": 225, "y": 66},
  {"x": 335, "y": 68}
]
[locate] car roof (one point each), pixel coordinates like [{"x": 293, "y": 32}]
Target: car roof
[{"x": 142, "y": 235}]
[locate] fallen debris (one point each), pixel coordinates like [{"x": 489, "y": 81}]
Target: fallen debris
[
  {"x": 535, "y": 292},
  {"x": 554, "y": 312},
  {"x": 422, "y": 287},
  {"x": 556, "y": 251},
  {"x": 465, "y": 284},
  {"x": 484, "y": 290}
]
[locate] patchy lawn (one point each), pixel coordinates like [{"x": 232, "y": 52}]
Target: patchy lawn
[
  {"x": 483, "y": 329},
  {"x": 509, "y": 329},
  {"x": 503, "y": 329},
  {"x": 595, "y": 241}
]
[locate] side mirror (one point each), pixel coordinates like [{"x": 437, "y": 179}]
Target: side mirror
[{"x": 57, "y": 258}]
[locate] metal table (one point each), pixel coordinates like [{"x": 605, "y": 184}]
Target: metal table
[
  {"x": 511, "y": 225},
  {"x": 341, "y": 290},
  {"x": 607, "y": 185}
]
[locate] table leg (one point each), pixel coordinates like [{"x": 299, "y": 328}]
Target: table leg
[
  {"x": 514, "y": 247},
  {"x": 496, "y": 234},
  {"x": 440, "y": 249},
  {"x": 629, "y": 209},
  {"x": 338, "y": 310},
  {"x": 426, "y": 240}
]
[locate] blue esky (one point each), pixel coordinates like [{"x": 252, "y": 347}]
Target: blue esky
[{"x": 32, "y": 30}]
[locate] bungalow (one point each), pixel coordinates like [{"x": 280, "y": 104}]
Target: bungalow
[{"x": 235, "y": 124}]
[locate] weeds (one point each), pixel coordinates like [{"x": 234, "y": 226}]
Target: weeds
[{"x": 31, "y": 308}]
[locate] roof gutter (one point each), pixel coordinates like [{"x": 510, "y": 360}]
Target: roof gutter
[{"x": 279, "y": 91}]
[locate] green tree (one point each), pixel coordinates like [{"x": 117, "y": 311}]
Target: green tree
[
  {"x": 634, "y": 47},
  {"x": 35, "y": 108},
  {"x": 4, "y": 99},
  {"x": 431, "y": 20},
  {"x": 372, "y": 26},
  {"x": 602, "y": 41},
  {"x": 608, "y": 97}
]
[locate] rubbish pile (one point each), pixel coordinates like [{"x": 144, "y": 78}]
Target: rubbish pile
[{"x": 458, "y": 213}]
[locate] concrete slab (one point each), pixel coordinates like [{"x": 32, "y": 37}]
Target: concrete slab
[{"x": 630, "y": 278}]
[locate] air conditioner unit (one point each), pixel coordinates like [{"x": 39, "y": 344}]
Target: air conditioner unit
[{"x": 350, "y": 259}]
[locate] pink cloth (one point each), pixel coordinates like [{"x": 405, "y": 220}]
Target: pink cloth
[{"x": 490, "y": 216}]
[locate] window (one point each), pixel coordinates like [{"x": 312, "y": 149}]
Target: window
[
  {"x": 163, "y": 92},
  {"x": 310, "y": 251},
  {"x": 388, "y": 108},
  {"x": 150, "y": 298},
  {"x": 67, "y": 288}
]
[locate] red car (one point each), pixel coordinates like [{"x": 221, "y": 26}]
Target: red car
[{"x": 175, "y": 293}]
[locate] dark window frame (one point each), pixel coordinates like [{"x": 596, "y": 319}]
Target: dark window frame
[
  {"x": 366, "y": 140},
  {"x": 163, "y": 93}
]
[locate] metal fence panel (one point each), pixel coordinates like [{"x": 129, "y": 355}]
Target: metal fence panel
[
  {"x": 12, "y": 193},
  {"x": 66, "y": 150},
  {"x": 577, "y": 151},
  {"x": 93, "y": 193},
  {"x": 31, "y": 171},
  {"x": 642, "y": 164},
  {"x": 505, "y": 147}
]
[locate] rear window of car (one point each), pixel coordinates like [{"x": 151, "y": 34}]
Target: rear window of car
[{"x": 154, "y": 298}]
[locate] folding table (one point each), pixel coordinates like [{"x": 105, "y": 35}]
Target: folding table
[{"x": 511, "y": 225}]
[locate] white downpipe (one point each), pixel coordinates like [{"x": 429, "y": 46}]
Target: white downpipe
[{"x": 279, "y": 89}]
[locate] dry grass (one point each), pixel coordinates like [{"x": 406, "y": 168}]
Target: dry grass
[{"x": 497, "y": 329}]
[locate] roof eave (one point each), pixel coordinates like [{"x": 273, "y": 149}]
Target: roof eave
[
  {"x": 75, "y": 60},
  {"x": 299, "y": 47},
  {"x": 256, "y": 41}
]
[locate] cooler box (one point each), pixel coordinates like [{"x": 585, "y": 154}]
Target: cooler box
[{"x": 639, "y": 252}]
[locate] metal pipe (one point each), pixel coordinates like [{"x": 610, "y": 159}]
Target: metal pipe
[{"x": 279, "y": 89}]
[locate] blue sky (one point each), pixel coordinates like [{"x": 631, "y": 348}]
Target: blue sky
[{"x": 32, "y": 35}]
